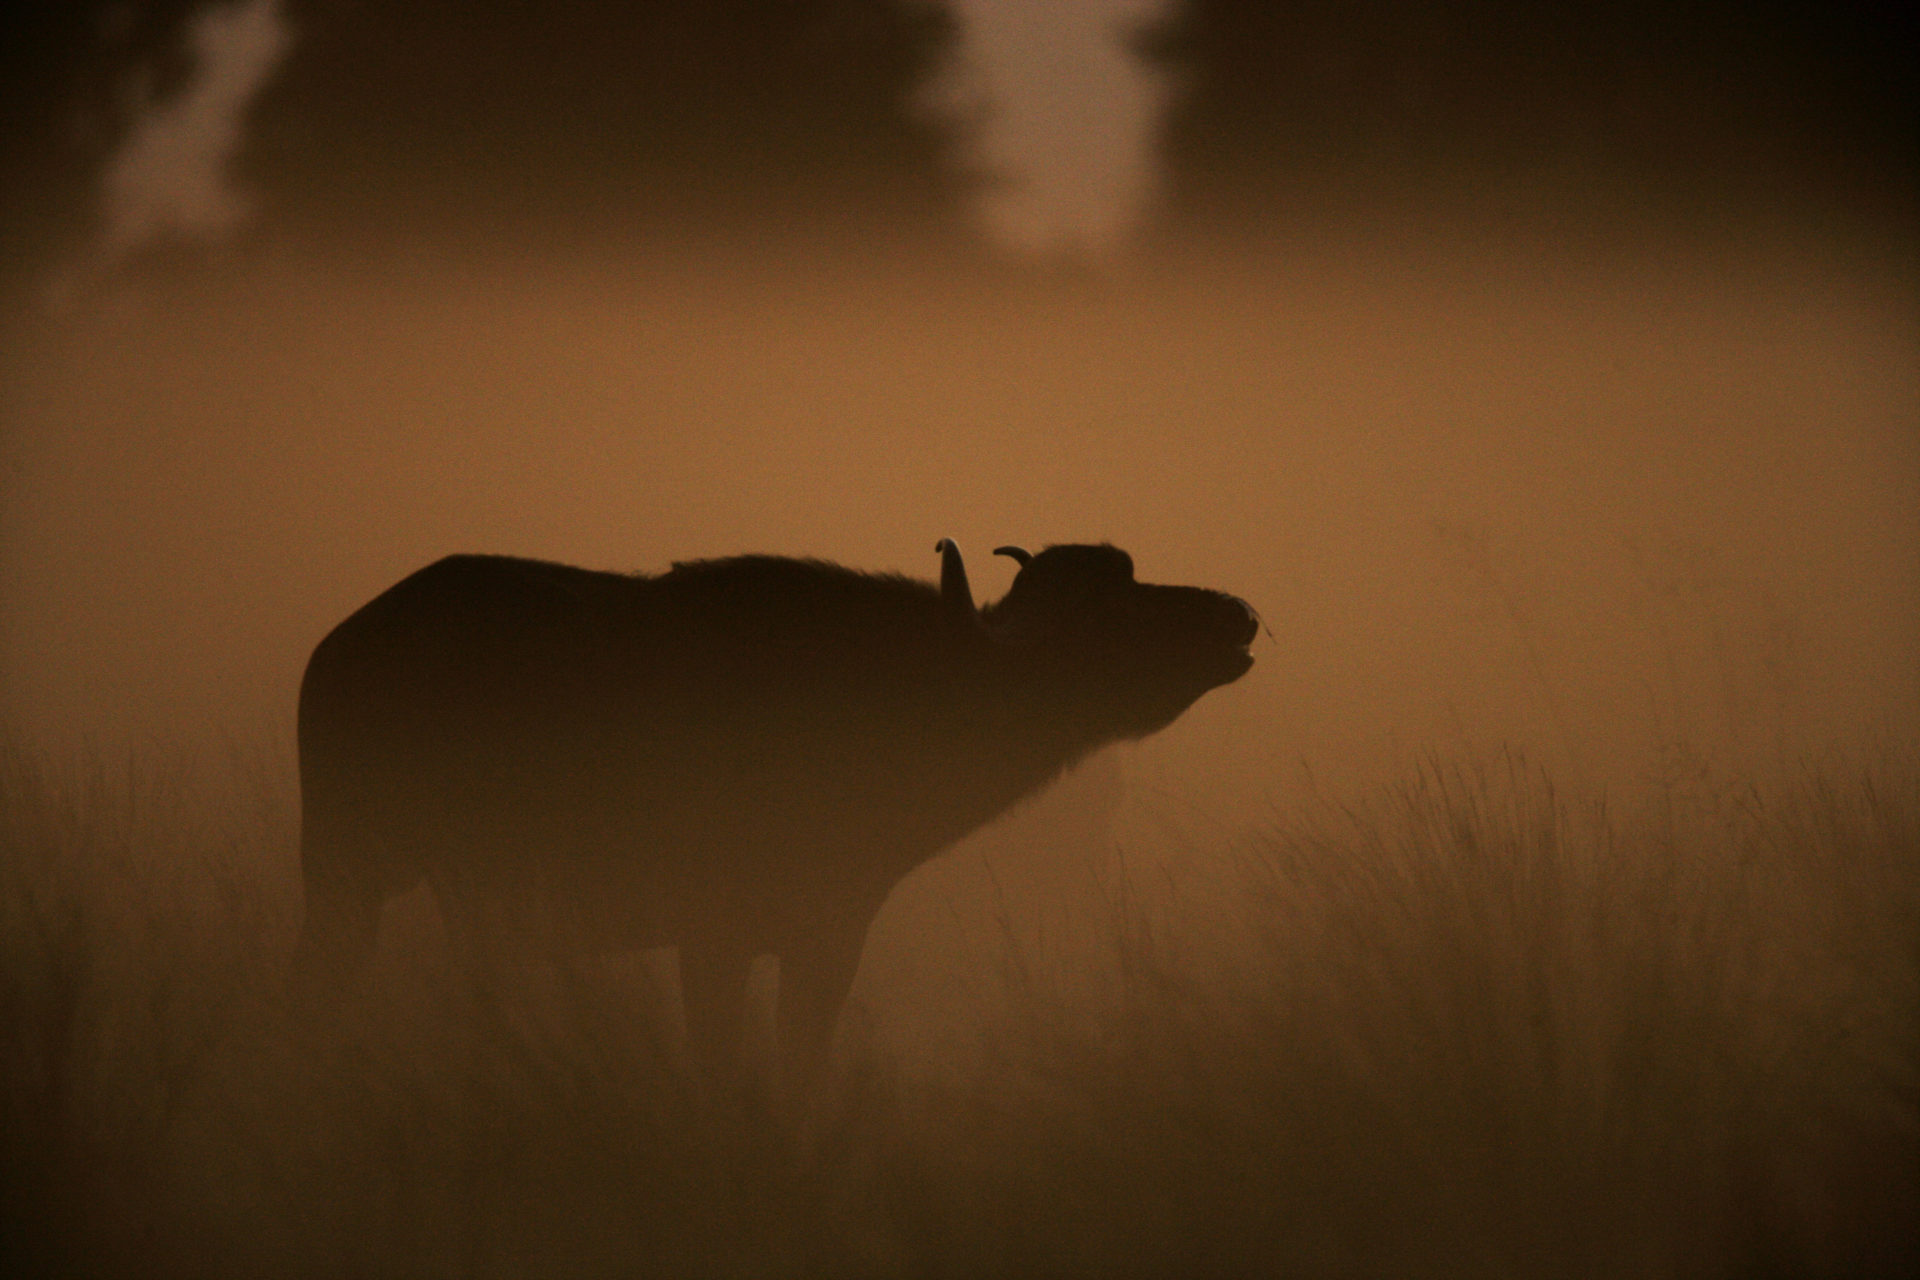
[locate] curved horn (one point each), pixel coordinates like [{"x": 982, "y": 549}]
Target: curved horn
[
  {"x": 1020, "y": 554},
  {"x": 954, "y": 591}
]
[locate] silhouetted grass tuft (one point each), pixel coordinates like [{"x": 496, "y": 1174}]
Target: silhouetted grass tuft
[{"x": 1464, "y": 1027}]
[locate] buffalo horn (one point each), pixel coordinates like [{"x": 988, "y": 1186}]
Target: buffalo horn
[
  {"x": 1020, "y": 554},
  {"x": 954, "y": 590}
]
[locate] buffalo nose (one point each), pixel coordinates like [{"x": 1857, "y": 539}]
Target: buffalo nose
[{"x": 1242, "y": 622}]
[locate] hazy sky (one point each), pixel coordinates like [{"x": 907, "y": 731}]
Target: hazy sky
[{"x": 1603, "y": 476}]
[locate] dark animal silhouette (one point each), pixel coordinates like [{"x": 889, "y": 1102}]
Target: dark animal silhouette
[{"x": 737, "y": 757}]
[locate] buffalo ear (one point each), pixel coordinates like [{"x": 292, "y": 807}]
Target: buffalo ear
[
  {"x": 955, "y": 593},
  {"x": 1020, "y": 555}
]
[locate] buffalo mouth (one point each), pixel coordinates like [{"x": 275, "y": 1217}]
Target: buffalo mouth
[
  {"x": 1236, "y": 662},
  {"x": 1242, "y": 629},
  {"x": 1204, "y": 636},
  {"x": 1226, "y": 654},
  {"x": 1212, "y": 665}
]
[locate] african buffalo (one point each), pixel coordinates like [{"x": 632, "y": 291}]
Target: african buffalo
[{"x": 736, "y": 757}]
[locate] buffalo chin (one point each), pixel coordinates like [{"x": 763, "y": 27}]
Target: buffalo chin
[
  {"x": 1220, "y": 666},
  {"x": 1179, "y": 689}
]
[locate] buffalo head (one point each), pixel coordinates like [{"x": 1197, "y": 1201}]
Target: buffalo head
[{"x": 1114, "y": 655}]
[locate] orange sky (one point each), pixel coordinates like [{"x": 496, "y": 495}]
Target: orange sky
[
  {"x": 1483, "y": 496},
  {"x": 1540, "y": 470}
]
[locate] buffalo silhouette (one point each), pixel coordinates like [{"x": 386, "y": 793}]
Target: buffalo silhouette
[{"x": 737, "y": 757}]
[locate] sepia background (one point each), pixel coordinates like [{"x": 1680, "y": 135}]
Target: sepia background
[
  {"x": 1547, "y": 376},
  {"x": 1545, "y": 380}
]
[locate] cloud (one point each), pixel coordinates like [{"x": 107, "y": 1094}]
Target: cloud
[
  {"x": 171, "y": 178},
  {"x": 1064, "y": 117}
]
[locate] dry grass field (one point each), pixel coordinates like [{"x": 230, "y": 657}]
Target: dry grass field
[{"x": 1462, "y": 1026}]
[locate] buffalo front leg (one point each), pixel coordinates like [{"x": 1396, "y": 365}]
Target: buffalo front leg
[
  {"x": 713, "y": 983},
  {"x": 816, "y": 973},
  {"x": 337, "y": 934}
]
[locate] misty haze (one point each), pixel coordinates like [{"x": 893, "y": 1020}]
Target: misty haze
[{"x": 1535, "y": 393}]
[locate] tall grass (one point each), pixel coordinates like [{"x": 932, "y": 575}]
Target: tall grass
[{"x": 1467, "y": 1026}]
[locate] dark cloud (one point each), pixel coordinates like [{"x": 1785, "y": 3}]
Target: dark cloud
[
  {"x": 584, "y": 117},
  {"x": 1289, "y": 107}
]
